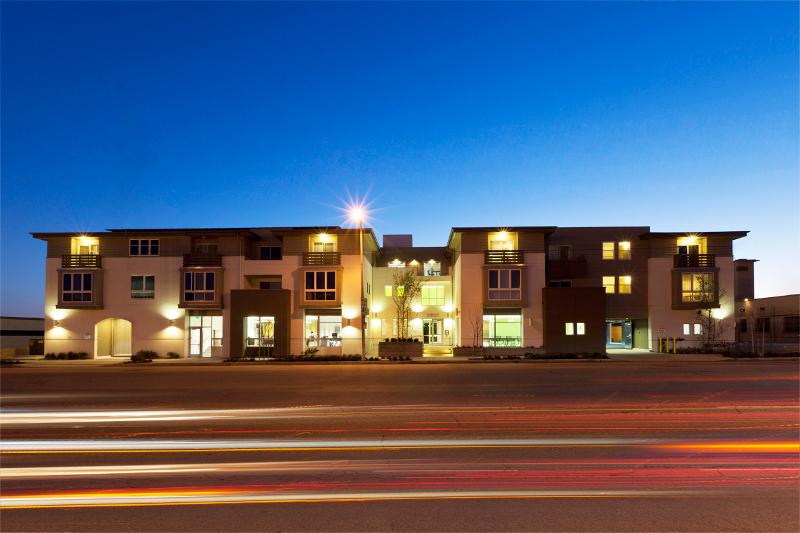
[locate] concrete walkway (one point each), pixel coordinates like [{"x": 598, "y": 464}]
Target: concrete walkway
[{"x": 640, "y": 354}]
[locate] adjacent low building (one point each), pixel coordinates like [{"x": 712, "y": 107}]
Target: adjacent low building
[{"x": 219, "y": 292}]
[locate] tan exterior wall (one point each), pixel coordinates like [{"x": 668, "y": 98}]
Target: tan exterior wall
[{"x": 532, "y": 313}]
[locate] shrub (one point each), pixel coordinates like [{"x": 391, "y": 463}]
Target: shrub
[
  {"x": 143, "y": 356},
  {"x": 173, "y": 355},
  {"x": 310, "y": 351}
]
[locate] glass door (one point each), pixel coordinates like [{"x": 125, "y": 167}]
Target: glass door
[
  {"x": 431, "y": 331},
  {"x": 195, "y": 349}
]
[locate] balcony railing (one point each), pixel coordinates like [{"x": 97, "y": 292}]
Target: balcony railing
[
  {"x": 200, "y": 260},
  {"x": 574, "y": 267},
  {"x": 498, "y": 257},
  {"x": 693, "y": 260},
  {"x": 80, "y": 261},
  {"x": 321, "y": 258}
]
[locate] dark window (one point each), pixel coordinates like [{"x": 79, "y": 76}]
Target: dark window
[
  {"x": 564, "y": 251},
  {"x": 309, "y": 280},
  {"x": 144, "y": 247},
  {"x": 791, "y": 324},
  {"x": 762, "y": 324},
  {"x": 270, "y": 253},
  {"x": 515, "y": 277},
  {"x": 320, "y": 286},
  {"x": 198, "y": 286},
  {"x": 564, "y": 283},
  {"x": 493, "y": 277},
  {"x": 331, "y": 280},
  {"x": 76, "y": 287},
  {"x": 269, "y": 285},
  {"x": 741, "y": 269}
]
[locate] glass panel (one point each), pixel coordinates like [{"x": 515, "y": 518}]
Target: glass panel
[
  {"x": 195, "y": 321},
  {"x": 87, "y": 282},
  {"x": 608, "y": 250},
  {"x": 569, "y": 328},
  {"x": 150, "y": 283},
  {"x": 504, "y": 279},
  {"x": 580, "y": 328},
  {"x": 136, "y": 283},
  {"x": 320, "y": 281},
  {"x": 154, "y": 244},
  {"x": 67, "y": 282},
  {"x": 309, "y": 280},
  {"x": 134, "y": 247},
  {"x": 144, "y": 247},
  {"x": 330, "y": 330},
  {"x": 493, "y": 276},
  {"x": 187, "y": 281},
  {"x": 312, "y": 326},
  {"x": 515, "y": 279},
  {"x": 209, "y": 281},
  {"x": 331, "y": 280}
]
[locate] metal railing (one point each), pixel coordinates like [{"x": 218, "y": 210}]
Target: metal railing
[
  {"x": 502, "y": 342},
  {"x": 494, "y": 257},
  {"x": 196, "y": 259},
  {"x": 693, "y": 260},
  {"x": 321, "y": 258},
  {"x": 80, "y": 261}
]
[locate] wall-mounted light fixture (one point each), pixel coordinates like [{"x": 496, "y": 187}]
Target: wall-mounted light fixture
[{"x": 56, "y": 323}]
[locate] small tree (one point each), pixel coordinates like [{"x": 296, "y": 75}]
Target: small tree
[
  {"x": 476, "y": 321},
  {"x": 405, "y": 289},
  {"x": 713, "y": 327}
]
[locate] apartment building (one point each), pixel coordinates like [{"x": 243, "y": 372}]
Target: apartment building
[{"x": 231, "y": 291}]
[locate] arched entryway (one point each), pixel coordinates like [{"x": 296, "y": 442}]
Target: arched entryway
[{"x": 112, "y": 337}]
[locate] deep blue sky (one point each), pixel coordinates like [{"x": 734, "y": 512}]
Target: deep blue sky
[{"x": 681, "y": 116}]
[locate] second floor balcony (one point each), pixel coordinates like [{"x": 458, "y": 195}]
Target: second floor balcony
[
  {"x": 202, "y": 259},
  {"x": 500, "y": 257},
  {"x": 321, "y": 258},
  {"x": 693, "y": 261},
  {"x": 81, "y": 261}
]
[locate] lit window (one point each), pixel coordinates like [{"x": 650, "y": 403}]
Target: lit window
[
  {"x": 580, "y": 328},
  {"x": 84, "y": 245},
  {"x": 624, "y": 284},
  {"x": 608, "y": 284},
  {"x": 143, "y": 287},
  {"x": 503, "y": 240},
  {"x": 698, "y": 329},
  {"x": 204, "y": 332},
  {"x": 505, "y": 284},
  {"x": 320, "y": 286},
  {"x": 624, "y": 248},
  {"x": 322, "y": 243},
  {"x": 144, "y": 247},
  {"x": 323, "y": 330},
  {"x": 198, "y": 287},
  {"x": 432, "y": 268},
  {"x": 432, "y": 295},
  {"x": 608, "y": 250},
  {"x": 502, "y": 330},
  {"x": 396, "y": 263},
  {"x": 686, "y": 329},
  {"x": 259, "y": 331},
  {"x": 387, "y": 291},
  {"x": 697, "y": 287},
  {"x": 76, "y": 287},
  {"x": 570, "y": 328}
]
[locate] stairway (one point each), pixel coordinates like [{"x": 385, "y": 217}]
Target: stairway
[{"x": 437, "y": 351}]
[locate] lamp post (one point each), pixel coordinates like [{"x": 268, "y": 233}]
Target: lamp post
[{"x": 357, "y": 214}]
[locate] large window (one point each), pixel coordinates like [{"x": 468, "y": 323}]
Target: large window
[
  {"x": 321, "y": 286},
  {"x": 624, "y": 250},
  {"x": 608, "y": 284},
  {"x": 625, "y": 284},
  {"x": 323, "y": 330},
  {"x": 320, "y": 246},
  {"x": 505, "y": 284},
  {"x": 76, "y": 287},
  {"x": 791, "y": 324},
  {"x": 608, "y": 250},
  {"x": 697, "y": 287},
  {"x": 144, "y": 247},
  {"x": 270, "y": 253},
  {"x": 205, "y": 332},
  {"x": 502, "y": 330},
  {"x": 84, "y": 245},
  {"x": 259, "y": 330},
  {"x": 198, "y": 286},
  {"x": 143, "y": 287},
  {"x": 432, "y": 295}
]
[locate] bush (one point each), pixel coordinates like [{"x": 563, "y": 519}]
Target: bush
[
  {"x": 68, "y": 355},
  {"x": 310, "y": 351},
  {"x": 144, "y": 356},
  {"x": 173, "y": 355}
]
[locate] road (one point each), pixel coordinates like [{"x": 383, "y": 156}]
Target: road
[{"x": 611, "y": 446}]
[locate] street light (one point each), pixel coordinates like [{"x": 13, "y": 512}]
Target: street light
[{"x": 357, "y": 213}]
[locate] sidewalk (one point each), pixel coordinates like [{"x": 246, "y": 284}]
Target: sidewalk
[{"x": 640, "y": 354}]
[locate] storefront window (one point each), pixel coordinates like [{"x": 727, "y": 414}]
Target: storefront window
[
  {"x": 502, "y": 330},
  {"x": 259, "y": 330},
  {"x": 323, "y": 330}
]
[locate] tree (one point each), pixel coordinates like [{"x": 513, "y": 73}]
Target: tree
[
  {"x": 405, "y": 289},
  {"x": 712, "y": 327},
  {"x": 476, "y": 321}
]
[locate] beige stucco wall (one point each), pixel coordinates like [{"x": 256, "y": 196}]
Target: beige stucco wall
[
  {"x": 470, "y": 269},
  {"x": 532, "y": 314}
]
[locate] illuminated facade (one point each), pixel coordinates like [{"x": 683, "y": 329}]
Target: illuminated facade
[{"x": 269, "y": 291}]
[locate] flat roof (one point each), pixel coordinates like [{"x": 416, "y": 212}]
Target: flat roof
[{"x": 660, "y": 234}]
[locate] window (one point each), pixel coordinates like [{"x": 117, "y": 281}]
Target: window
[
  {"x": 76, "y": 287},
  {"x": 580, "y": 328},
  {"x": 259, "y": 330},
  {"x": 84, "y": 245},
  {"x": 270, "y": 253},
  {"x": 687, "y": 329},
  {"x": 505, "y": 284},
  {"x": 198, "y": 287},
  {"x": 502, "y": 330},
  {"x": 569, "y": 328},
  {"x": 608, "y": 284},
  {"x": 624, "y": 284},
  {"x": 204, "y": 332},
  {"x": 560, "y": 251},
  {"x": 624, "y": 250},
  {"x": 144, "y": 246},
  {"x": 432, "y": 295},
  {"x": 762, "y": 325},
  {"x": 563, "y": 283},
  {"x": 791, "y": 324},
  {"x": 698, "y": 329},
  {"x": 320, "y": 286},
  {"x": 503, "y": 240},
  {"x": 271, "y": 284},
  {"x": 608, "y": 250},
  {"x": 396, "y": 263},
  {"x": 143, "y": 287},
  {"x": 388, "y": 291},
  {"x": 743, "y": 325},
  {"x": 697, "y": 287},
  {"x": 323, "y": 330},
  {"x": 432, "y": 268},
  {"x": 209, "y": 248}
]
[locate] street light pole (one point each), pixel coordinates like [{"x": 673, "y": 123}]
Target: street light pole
[{"x": 361, "y": 270}]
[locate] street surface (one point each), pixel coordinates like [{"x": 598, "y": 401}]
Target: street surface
[{"x": 610, "y": 446}]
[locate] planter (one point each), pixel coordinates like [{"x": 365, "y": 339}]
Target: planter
[
  {"x": 469, "y": 351},
  {"x": 400, "y": 349}
]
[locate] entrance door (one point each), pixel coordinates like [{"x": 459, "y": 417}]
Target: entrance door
[
  {"x": 431, "y": 331},
  {"x": 619, "y": 334}
]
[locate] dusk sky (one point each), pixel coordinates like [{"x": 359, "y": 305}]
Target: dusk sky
[{"x": 681, "y": 116}]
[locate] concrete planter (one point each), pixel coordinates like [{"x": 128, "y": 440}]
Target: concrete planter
[{"x": 400, "y": 349}]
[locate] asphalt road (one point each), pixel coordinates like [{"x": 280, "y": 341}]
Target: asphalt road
[{"x": 608, "y": 446}]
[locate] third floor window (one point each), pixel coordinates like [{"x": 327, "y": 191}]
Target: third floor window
[
  {"x": 144, "y": 247},
  {"x": 199, "y": 287},
  {"x": 505, "y": 284},
  {"x": 76, "y": 287},
  {"x": 270, "y": 253},
  {"x": 320, "y": 286}
]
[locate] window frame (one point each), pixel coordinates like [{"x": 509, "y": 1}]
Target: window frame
[
  {"x": 83, "y": 291},
  {"x": 499, "y": 292},
  {"x": 604, "y": 251},
  {"x": 143, "y": 293},
  {"x": 624, "y": 252},
  {"x": 628, "y": 286},
  {"x": 205, "y": 291},
  {"x": 271, "y": 255},
  {"x": 612, "y": 286},
  {"x": 696, "y": 295},
  {"x": 432, "y": 300},
  {"x": 313, "y": 293},
  {"x": 151, "y": 243},
  {"x": 795, "y": 329}
]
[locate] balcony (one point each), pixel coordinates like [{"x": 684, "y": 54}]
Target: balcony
[
  {"x": 81, "y": 261},
  {"x": 693, "y": 261},
  {"x": 202, "y": 260},
  {"x": 321, "y": 258},
  {"x": 574, "y": 267},
  {"x": 500, "y": 257}
]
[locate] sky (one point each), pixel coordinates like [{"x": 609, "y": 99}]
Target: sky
[{"x": 681, "y": 116}]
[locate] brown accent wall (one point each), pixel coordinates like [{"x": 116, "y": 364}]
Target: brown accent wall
[
  {"x": 97, "y": 288},
  {"x": 668, "y": 246},
  {"x": 119, "y": 245},
  {"x": 260, "y": 302},
  {"x": 587, "y": 248},
  {"x": 581, "y": 304},
  {"x": 677, "y": 288}
]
